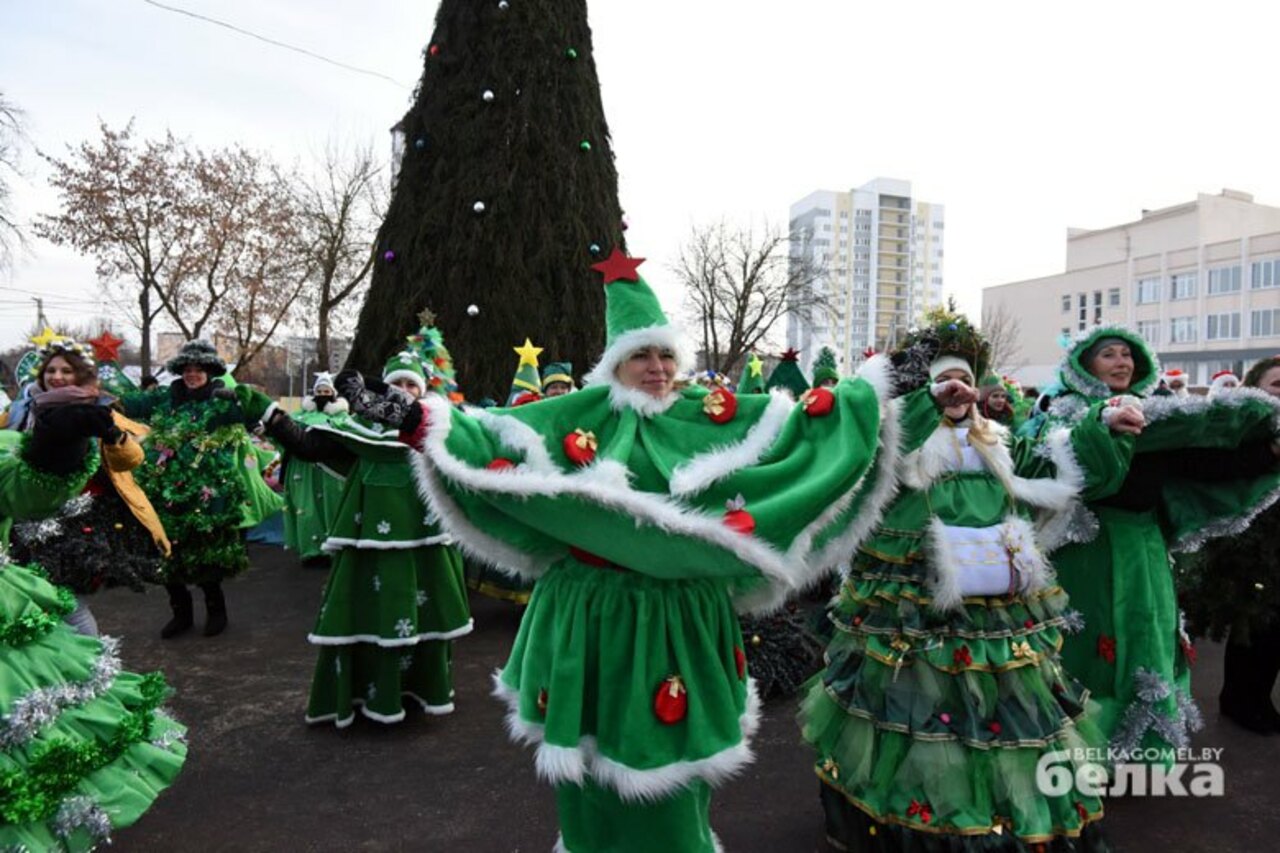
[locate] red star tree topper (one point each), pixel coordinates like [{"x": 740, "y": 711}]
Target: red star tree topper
[
  {"x": 618, "y": 267},
  {"x": 106, "y": 347}
]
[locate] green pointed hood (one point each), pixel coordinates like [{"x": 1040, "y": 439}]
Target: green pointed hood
[
  {"x": 1075, "y": 375},
  {"x": 824, "y": 366},
  {"x": 752, "y": 381},
  {"x": 405, "y": 365}
]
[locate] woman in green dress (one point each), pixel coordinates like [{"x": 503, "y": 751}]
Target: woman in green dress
[
  {"x": 396, "y": 597},
  {"x": 943, "y": 689},
  {"x": 84, "y": 746},
  {"x": 1202, "y": 468},
  {"x": 648, "y": 516},
  {"x": 312, "y": 490}
]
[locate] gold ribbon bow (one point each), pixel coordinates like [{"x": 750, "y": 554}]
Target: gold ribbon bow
[
  {"x": 901, "y": 646},
  {"x": 586, "y": 440},
  {"x": 1024, "y": 650},
  {"x": 713, "y": 404},
  {"x": 829, "y": 767}
]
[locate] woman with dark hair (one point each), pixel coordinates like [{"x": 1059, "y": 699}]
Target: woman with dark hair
[
  {"x": 109, "y": 535},
  {"x": 203, "y": 477},
  {"x": 1234, "y": 591}
]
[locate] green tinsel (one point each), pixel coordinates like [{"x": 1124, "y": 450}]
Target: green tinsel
[
  {"x": 35, "y": 792},
  {"x": 48, "y": 482},
  {"x": 29, "y": 626}
]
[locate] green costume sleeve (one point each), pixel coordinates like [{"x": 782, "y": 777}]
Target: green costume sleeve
[
  {"x": 1100, "y": 457},
  {"x": 29, "y": 492},
  {"x": 140, "y": 404},
  {"x": 651, "y": 492}
]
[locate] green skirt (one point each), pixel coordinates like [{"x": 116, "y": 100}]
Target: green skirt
[
  {"x": 634, "y": 683},
  {"x": 84, "y": 746},
  {"x": 929, "y": 726},
  {"x": 1131, "y": 655}
]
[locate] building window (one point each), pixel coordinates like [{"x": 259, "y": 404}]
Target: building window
[
  {"x": 1265, "y": 274},
  {"x": 1222, "y": 326},
  {"x": 1066, "y": 302},
  {"x": 1148, "y": 290},
  {"x": 1150, "y": 331},
  {"x": 1097, "y": 298},
  {"x": 1182, "y": 330},
  {"x": 1224, "y": 279},
  {"x": 1182, "y": 285},
  {"x": 1113, "y": 297},
  {"x": 1264, "y": 323}
]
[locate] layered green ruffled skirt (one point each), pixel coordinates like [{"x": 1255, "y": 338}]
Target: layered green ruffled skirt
[
  {"x": 929, "y": 726},
  {"x": 86, "y": 748}
]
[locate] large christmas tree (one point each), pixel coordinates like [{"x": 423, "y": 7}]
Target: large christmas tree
[{"x": 506, "y": 194}]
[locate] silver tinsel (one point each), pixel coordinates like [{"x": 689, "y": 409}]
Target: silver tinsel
[
  {"x": 42, "y": 706},
  {"x": 170, "y": 736},
  {"x": 82, "y": 813},
  {"x": 1150, "y": 687},
  {"x": 1069, "y": 408},
  {"x": 1142, "y": 716},
  {"x": 1072, "y": 621},
  {"x": 40, "y": 531}
]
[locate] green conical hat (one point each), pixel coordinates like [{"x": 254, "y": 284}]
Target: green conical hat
[
  {"x": 990, "y": 379},
  {"x": 405, "y": 365},
  {"x": 752, "y": 381},
  {"x": 788, "y": 375},
  {"x": 633, "y": 319},
  {"x": 824, "y": 366},
  {"x": 526, "y": 380}
]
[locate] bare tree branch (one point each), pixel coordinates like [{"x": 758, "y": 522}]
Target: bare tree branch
[{"x": 1002, "y": 329}]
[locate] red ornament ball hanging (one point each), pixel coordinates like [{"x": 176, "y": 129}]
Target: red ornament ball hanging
[
  {"x": 500, "y": 464},
  {"x": 818, "y": 402},
  {"x": 580, "y": 446},
  {"x": 737, "y": 518},
  {"x": 721, "y": 405},
  {"x": 671, "y": 703},
  {"x": 434, "y": 50}
]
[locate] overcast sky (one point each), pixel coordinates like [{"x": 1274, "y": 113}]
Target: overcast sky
[{"x": 1022, "y": 118}]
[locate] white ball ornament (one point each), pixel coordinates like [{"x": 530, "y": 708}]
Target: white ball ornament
[
  {"x": 473, "y": 310},
  {"x": 478, "y": 207},
  {"x": 488, "y": 96}
]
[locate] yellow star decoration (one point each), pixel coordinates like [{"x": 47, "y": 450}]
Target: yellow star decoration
[
  {"x": 528, "y": 354},
  {"x": 47, "y": 337},
  {"x": 755, "y": 366},
  {"x": 426, "y": 317}
]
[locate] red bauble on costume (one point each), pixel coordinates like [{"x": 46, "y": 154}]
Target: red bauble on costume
[
  {"x": 671, "y": 703},
  {"x": 580, "y": 446}
]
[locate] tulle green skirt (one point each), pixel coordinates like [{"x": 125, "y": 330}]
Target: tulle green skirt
[{"x": 85, "y": 745}]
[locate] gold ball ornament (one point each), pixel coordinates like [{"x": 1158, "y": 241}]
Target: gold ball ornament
[{"x": 755, "y": 640}]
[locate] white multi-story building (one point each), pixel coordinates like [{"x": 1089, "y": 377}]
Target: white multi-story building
[
  {"x": 1199, "y": 281},
  {"x": 881, "y": 250}
]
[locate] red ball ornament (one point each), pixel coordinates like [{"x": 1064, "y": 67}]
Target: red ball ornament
[
  {"x": 1029, "y": 624},
  {"x": 994, "y": 727},
  {"x": 740, "y": 661},
  {"x": 580, "y": 446},
  {"x": 737, "y": 518},
  {"x": 818, "y": 402},
  {"x": 434, "y": 50},
  {"x": 86, "y": 530},
  {"x": 500, "y": 464},
  {"x": 671, "y": 703},
  {"x": 721, "y": 406}
]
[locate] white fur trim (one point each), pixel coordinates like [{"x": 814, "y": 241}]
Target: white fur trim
[
  {"x": 359, "y": 704},
  {"x": 271, "y": 410},
  {"x": 414, "y": 378},
  {"x": 944, "y": 363},
  {"x": 560, "y": 848},
  {"x": 943, "y": 579},
  {"x": 355, "y": 431},
  {"x": 668, "y": 336},
  {"x": 878, "y": 372},
  {"x": 337, "y": 543},
  {"x": 644, "y": 404},
  {"x": 308, "y": 405},
  {"x": 707, "y": 469},
  {"x": 564, "y": 764},
  {"x": 391, "y": 642},
  {"x": 427, "y": 707},
  {"x": 516, "y": 435}
]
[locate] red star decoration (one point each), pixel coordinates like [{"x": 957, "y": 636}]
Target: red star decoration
[
  {"x": 791, "y": 355},
  {"x": 618, "y": 267},
  {"x": 106, "y": 347}
]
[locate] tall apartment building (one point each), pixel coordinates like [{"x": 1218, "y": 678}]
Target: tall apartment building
[
  {"x": 881, "y": 250},
  {"x": 1199, "y": 281}
]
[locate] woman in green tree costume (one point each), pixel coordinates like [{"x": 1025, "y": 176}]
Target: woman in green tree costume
[
  {"x": 84, "y": 746},
  {"x": 647, "y": 515},
  {"x": 202, "y": 477},
  {"x": 943, "y": 688},
  {"x": 1233, "y": 592},
  {"x": 1202, "y": 468},
  {"x": 396, "y": 597},
  {"x": 312, "y": 490}
]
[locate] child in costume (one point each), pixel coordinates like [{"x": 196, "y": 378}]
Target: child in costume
[
  {"x": 647, "y": 515},
  {"x": 557, "y": 379},
  {"x": 312, "y": 490},
  {"x": 1202, "y": 468},
  {"x": 942, "y": 688},
  {"x": 84, "y": 746},
  {"x": 109, "y": 535},
  {"x": 202, "y": 475},
  {"x": 396, "y": 598}
]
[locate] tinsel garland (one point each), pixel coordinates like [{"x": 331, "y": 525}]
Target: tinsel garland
[
  {"x": 37, "y": 791},
  {"x": 1142, "y": 715},
  {"x": 193, "y": 478},
  {"x": 29, "y": 626},
  {"x": 48, "y": 482},
  {"x": 82, "y": 813},
  {"x": 33, "y": 711},
  {"x": 782, "y": 652},
  {"x": 93, "y": 542}
]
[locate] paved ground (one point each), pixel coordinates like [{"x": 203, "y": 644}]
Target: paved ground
[{"x": 259, "y": 779}]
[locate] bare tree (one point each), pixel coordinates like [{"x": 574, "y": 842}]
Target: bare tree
[
  {"x": 11, "y": 136},
  {"x": 1002, "y": 329},
  {"x": 739, "y": 284},
  {"x": 209, "y": 240},
  {"x": 340, "y": 206}
]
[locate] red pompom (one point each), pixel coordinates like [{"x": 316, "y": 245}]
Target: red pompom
[
  {"x": 580, "y": 446},
  {"x": 818, "y": 402},
  {"x": 671, "y": 703},
  {"x": 721, "y": 406}
]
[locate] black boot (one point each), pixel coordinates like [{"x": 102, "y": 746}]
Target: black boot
[
  {"x": 180, "y": 603},
  {"x": 216, "y": 609}
]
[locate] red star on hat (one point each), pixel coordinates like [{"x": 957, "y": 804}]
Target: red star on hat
[
  {"x": 106, "y": 346},
  {"x": 618, "y": 267},
  {"x": 791, "y": 355}
]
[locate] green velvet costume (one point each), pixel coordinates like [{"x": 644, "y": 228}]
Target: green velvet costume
[
  {"x": 939, "y": 697},
  {"x": 84, "y": 747},
  {"x": 312, "y": 492},
  {"x": 1184, "y": 488}
]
